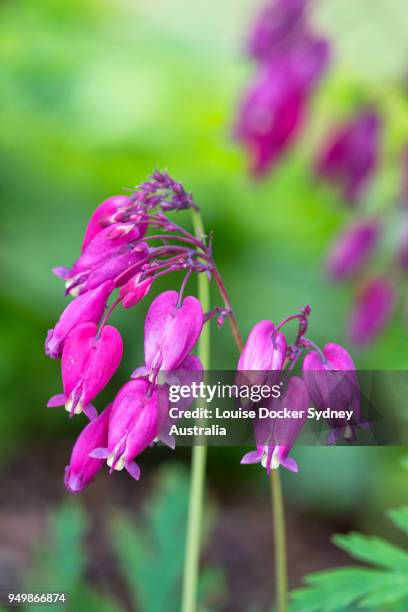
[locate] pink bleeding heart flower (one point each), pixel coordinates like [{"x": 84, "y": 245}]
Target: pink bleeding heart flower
[
  {"x": 119, "y": 268},
  {"x": 275, "y": 437},
  {"x": 87, "y": 308},
  {"x": 82, "y": 468},
  {"x": 264, "y": 351},
  {"x": 350, "y": 156},
  {"x": 352, "y": 249},
  {"x": 133, "y": 426},
  {"x": 275, "y": 106},
  {"x": 134, "y": 291},
  {"x": 331, "y": 380},
  {"x": 88, "y": 363},
  {"x": 171, "y": 331},
  {"x": 107, "y": 243},
  {"x": 372, "y": 311},
  {"x": 104, "y": 215},
  {"x": 270, "y": 115}
]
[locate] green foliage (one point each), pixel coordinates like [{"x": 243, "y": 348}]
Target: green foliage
[
  {"x": 382, "y": 587},
  {"x": 59, "y": 564},
  {"x": 151, "y": 555}
]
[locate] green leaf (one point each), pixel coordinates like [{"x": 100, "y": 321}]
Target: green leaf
[
  {"x": 333, "y": 589},
  {"x": 342, "y": 588},
  {"x": 86, "y": 599},
  {"x": 392, "y": 591},
  {"x": 399, "y": 517},
  {"x": 59, "y": 561},
  {"x": 151, "y": 555},
  {"x": 373, "y": 549}
]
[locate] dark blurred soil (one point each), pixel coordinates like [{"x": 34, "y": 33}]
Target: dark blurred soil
[{"x": 242, "y": 542}]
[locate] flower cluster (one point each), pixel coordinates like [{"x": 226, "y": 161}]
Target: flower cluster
[
  {"x": 129, "y": 243},
  {"x": 328, "y": 379},
  {"x": 119, "y": 256},
  {"x": 291, "y": 60},
  {"x": 352, "y": 254}
]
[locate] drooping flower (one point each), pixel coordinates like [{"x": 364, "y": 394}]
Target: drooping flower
[
  {"x": 330, "y": 377},
  {"x": 87, "y": 308},
  {"x": 275, "y": 106},
  {"x": 133, "y": 425},
  {"x": 171, "y": 331},
  {"x": 352, "y": 249},
  {"x": 104, "y": 215},
  {"x": 97, "y": 250},
  {"x": 113, "y": 268},
  {"x": 276, "y": 437},
  {"x": 372, "y": 311},
  {"x": 134, "y": 291},
  {"x": 350, "y": 156},
  {"x": 279, "y": 25},
  {"x": 82, "y": 468},
  {"x": 88, "y": 363},
  {"x": 270, "y": 115},
  {"x": 265, "y": 350}
]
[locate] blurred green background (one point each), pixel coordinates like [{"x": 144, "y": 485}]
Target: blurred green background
[{"x": 95, "y": 95}]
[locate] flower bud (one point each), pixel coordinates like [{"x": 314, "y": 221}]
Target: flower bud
[
  {"x": 87, "y": 308},
  {"x": 134, "y": 291},
  {"x": 83, "y": 468},
  {"x": 171, "y": 330},
  {"x": 276, "y": 437},
  {"x": 350, "y": 156},
  {"x": 88, "y": 363},
  {"x": 352, "y": 249},
  {"x": 372, "y": 311}
]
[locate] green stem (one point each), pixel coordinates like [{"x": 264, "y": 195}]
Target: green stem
[
  {"x": 280, "y": 542},
  {"x": 198, "y": 462}
]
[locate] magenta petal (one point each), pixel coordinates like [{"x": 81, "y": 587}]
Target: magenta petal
[
  {"x": 105, "y": 357},
  {"x": 75, "y": 356},
  {"x": 87, "y": 308},
  {"x": 264, "y": 351},
  {"x": 171, "y": 331},
  {"x": 90, "y": 411},
  {"x": 133, "y": 469},
  {"x": 252, "y": 457},
  {"x": 289, "y": 464},
  {"x": 134, "y": 291},
  {"x": 61, "y": 272},
  {"x": 99, "y": 453},
  {"x": 373, "y": 310},
  {"x": 101, "y": 216},
  {"x": 350, "y": 156},
  {"x": 134, "y": 421},
  {"x": 352, "y": 249},
  {"x": 56, "y": 400},
  {"x": 83, "y": 467}
]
